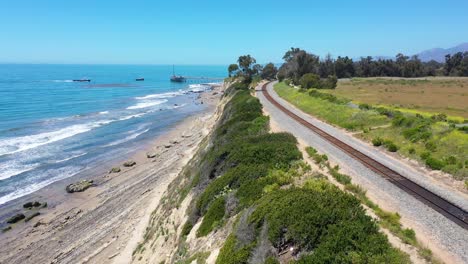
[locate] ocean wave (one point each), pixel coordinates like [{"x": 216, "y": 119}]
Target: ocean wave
[
  {"x": 126, "y": 139},
  {"x": 146, "y": 104},
  {"x": 104, "y": 112},
  {"x": 70, "y": 158},
  {"x": 11, "y": 169},
  {"x": 162, "y": 95},
  {"x": 60, "y": 174},
  {"x": 196, "y": 88},
  {"x": 132, "y": 116},
  {"x": 17, "y": 144}
]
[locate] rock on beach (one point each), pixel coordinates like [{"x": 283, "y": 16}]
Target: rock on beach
[{"x": 80, "y": 186}]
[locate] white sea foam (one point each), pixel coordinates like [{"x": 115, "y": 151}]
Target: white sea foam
[
  {"x": 58, "y": 174},
  {"x": 126, "y": 139},
  {"x": 70, "y": 158},
  {"x": 17, "y": 144},
  {"x": 132, "y": 116},
  {"x": 11, "y": 168},
  {"x": 104, "y": 112},
  {"x": 162, "y": 95},
  {"x": 146, "y": 104},
  {"x": 199, "y": 87}
]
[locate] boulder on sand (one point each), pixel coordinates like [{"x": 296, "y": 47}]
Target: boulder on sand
[
  {"x": 27, "y": 219},
  {"x": 29, "y": 205},
  {"x": 16, "y": 218},
  {"x": 129, "y": 163},
  {"x": 80, "y": 186},
  {"x": 115, "y": 170},
  {"x": 152, "y": 155}
]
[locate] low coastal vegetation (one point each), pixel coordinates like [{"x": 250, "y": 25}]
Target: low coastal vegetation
[
  {"x": 388, "y": 220},
  {"x": 255, "y": 185},
  {"x": 438, "y": 141}
]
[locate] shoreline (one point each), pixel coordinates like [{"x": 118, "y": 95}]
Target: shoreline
[{"x": 76, "y": 224}]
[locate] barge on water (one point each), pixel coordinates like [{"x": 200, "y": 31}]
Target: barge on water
[{"x": 177, "y": 78}]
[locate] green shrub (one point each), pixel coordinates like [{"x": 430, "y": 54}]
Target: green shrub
[
  {"x": 409, "y": 236},
  {"x": 187, "y": 228},
  {"x": 328, "y": 83},
  {"x": 425, "y": 155},
  {"x": 341, "y": 178},
  {"x": 213, "y": 217},
  {"x": 451, "y": 160},
  {"x": 392, "y": 147},
  {"x": 311, "y": 151},
  {"x": 431, "y": 146},
  {"x": 434, "y": 163},
  {"x": 411, "y": 150},
  {"x": 271, "y": 260},
  {"x": 377, "y": 142},
  {"x": 364, "y": 106},
  {"x": 231, "y": 253},
  {"x": 331, "y": 224},
  {"x": 310, "y": 80}
]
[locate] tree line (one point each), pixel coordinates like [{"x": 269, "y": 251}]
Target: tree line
[{"x": 309, "y": 70}]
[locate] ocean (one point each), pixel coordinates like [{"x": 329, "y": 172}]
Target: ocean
[{"x": 52, "y": 128}]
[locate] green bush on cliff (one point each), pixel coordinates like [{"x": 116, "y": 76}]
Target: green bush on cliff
[
  {"x": 213, "y": 217},
  {"x": 331, "y": 225}
]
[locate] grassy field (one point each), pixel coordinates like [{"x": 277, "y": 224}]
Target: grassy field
[
  {"x": 336, "y": 113},
  {"x": 432, "y": 139},
  {"x": 433, "y": 95}
]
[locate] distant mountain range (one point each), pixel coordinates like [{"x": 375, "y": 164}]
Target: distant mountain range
[{"x": 438, "y": 54}]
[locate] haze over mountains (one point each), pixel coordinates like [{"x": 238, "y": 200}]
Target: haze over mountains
[{"x": 438, "y": 54}]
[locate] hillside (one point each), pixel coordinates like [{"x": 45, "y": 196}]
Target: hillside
[{"x": 438, "y": 54}]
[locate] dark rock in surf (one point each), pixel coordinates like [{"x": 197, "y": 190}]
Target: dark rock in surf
[{"x": 16, "y": 218}]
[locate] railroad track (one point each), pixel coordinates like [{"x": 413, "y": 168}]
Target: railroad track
[{"x": 441, "y": 205}]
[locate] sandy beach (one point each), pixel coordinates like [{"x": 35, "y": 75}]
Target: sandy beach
[{"x": 105, "y": 223}]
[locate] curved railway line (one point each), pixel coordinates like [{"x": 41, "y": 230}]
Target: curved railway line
[{"x": 441, "y": 205}]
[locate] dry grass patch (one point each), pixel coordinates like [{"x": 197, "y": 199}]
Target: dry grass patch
[{"x": 446, "y": 95}]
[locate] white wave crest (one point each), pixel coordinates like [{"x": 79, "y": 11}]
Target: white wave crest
[
  {"x": 132, "y": 136},
  {"x": 162, "y": 95},
  {"x": 146, "y": 104},
  {"x": 70, "y": 158},
  {"x": 132, "y": 116},
  {"x": 58, "y": 174},
  {"x": 17, "y": 144},
  {"x": 197, "y": 88},
  {"x": 11, "y": 169}
]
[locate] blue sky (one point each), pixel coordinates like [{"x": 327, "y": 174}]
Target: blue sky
[{"x": 217, "y": 32}]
